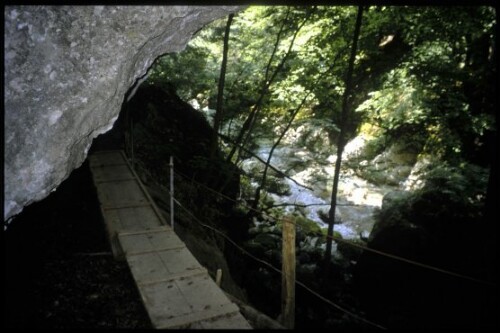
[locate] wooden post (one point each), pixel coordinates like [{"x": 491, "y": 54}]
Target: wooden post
[
  {"x": 171, "y": 191},
  {"x": 288, "y": 274},
  {"x": 218, "y": 277}
]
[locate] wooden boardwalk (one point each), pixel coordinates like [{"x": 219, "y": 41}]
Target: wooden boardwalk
[{"x": 176, "y": 290}]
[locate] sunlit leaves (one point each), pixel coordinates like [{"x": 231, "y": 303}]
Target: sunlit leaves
[
  {"x": 421, "y": 73},
  {"x": 179, "y": 69},
  {"x": 429, "y": 94},
  {"x": 398, "y": 103}
]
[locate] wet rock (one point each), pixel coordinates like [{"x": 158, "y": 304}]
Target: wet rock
[
  {"x": 310, "y": 243},
  {"x": 364, "y": 235},
  {"x": 67, "y": 71},
  {"x": 355, "y": 147},
  {"x": 414, "y": 182},
  {"x": 390, "y": 167},
  {"x": 396, "y": 154}
]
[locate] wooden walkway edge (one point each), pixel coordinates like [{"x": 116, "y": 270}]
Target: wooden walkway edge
[{"x": 176, "y": 290}]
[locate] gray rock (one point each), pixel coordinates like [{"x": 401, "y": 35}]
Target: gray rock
[
  {"x": 67, "y": 71},
  {"x": 396, "y": 155},
  {"x": 310, "y": 243},
  {"x": 363, "y": 235}
]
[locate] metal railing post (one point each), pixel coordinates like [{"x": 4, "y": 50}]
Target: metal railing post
[{"x": 171, "y": 164}]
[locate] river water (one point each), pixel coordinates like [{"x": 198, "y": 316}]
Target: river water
[{"x": 357, "y": 198}]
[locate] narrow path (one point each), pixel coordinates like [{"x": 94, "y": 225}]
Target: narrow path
[{"x": 176, "y": 290}]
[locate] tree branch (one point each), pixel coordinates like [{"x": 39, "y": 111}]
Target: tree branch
[
  {"x": 281, "y": 173},
  {"x": 313, "y": 204}
]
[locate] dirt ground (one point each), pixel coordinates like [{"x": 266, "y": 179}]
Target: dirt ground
[{"x": 59, "y": 271}]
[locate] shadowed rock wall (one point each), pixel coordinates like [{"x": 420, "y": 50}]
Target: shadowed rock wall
[{"x": 67, "y": 70}]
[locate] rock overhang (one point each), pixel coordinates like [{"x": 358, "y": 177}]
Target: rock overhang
[{"x": 67, "y": 70}]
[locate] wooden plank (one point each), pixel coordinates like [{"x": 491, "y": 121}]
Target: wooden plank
[
  {"x": 132, "y": 219},
  {"x": 112, "y": 235},
  {"x": 121, "y": 194},
  {"x": 125, "y": 205},
  {"x": 148, "y": 242},
  {"x": 145, "y": 191},
  {"x": 129, "y": 220},
  {"x": 179, "y": 260},
  {"x": 174, "y": 304},
  {"x": 178, "y": 276},
  {"x": 202, "y": 293},
  {"x": 107, "y": 158},
  {"x": 159, "y": 228},
  {"x": 228, "y": 321},
  {"x": 176, "y": 290},
  {"x": 163, "y": 266},
  {"x": 163, "y": 301},
  {"x": 112, "y": 173},
  {"x": 201, "y": 319}
]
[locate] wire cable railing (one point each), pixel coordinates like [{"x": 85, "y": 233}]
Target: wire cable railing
[
  {"x": 337, "y": 239},
  {"x": 382, "y": 253},
  {"x": 269, "y": 265}
]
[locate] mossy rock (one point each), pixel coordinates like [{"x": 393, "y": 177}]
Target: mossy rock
[{"x": 336, "y": 234}]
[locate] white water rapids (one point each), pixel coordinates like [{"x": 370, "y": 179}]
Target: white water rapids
[{"x": 357, "y": 199}]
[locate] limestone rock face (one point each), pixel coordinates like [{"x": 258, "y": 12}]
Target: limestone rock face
[{"x": 67, "y": 71}]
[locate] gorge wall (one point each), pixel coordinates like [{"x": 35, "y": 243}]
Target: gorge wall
[{"x": 67, "y": 71}]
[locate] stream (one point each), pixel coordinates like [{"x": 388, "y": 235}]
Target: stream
[{"x": 357, "y": 198}]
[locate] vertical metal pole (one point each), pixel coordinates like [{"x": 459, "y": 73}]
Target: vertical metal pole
[
  {"x": 171, "y": 191},
  {"x": 288, "y": 274},
  {"x": 131, "y": 140}
]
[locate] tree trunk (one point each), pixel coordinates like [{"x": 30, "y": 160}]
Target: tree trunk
[
  {"x": 220, "y": 92},
  {"x": 288, "y": 273},
  {"x": 341, "y": 139}
]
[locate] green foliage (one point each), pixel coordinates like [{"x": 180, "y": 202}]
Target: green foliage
[
  {"x": 246, "y": 188},
  {"x": 424, "y": 80},
  {"x": 336, "y": 234},
  {"x": 190, "y": 72},
  {"x": 304, "y": 226},
  {"x": 422, "y": 77},
  {"x": 451, "y": 197},
  {"x": 374, "y": 147},
  {"x": 423, "y": 99},
  {"x": 307, "y": 226}
]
